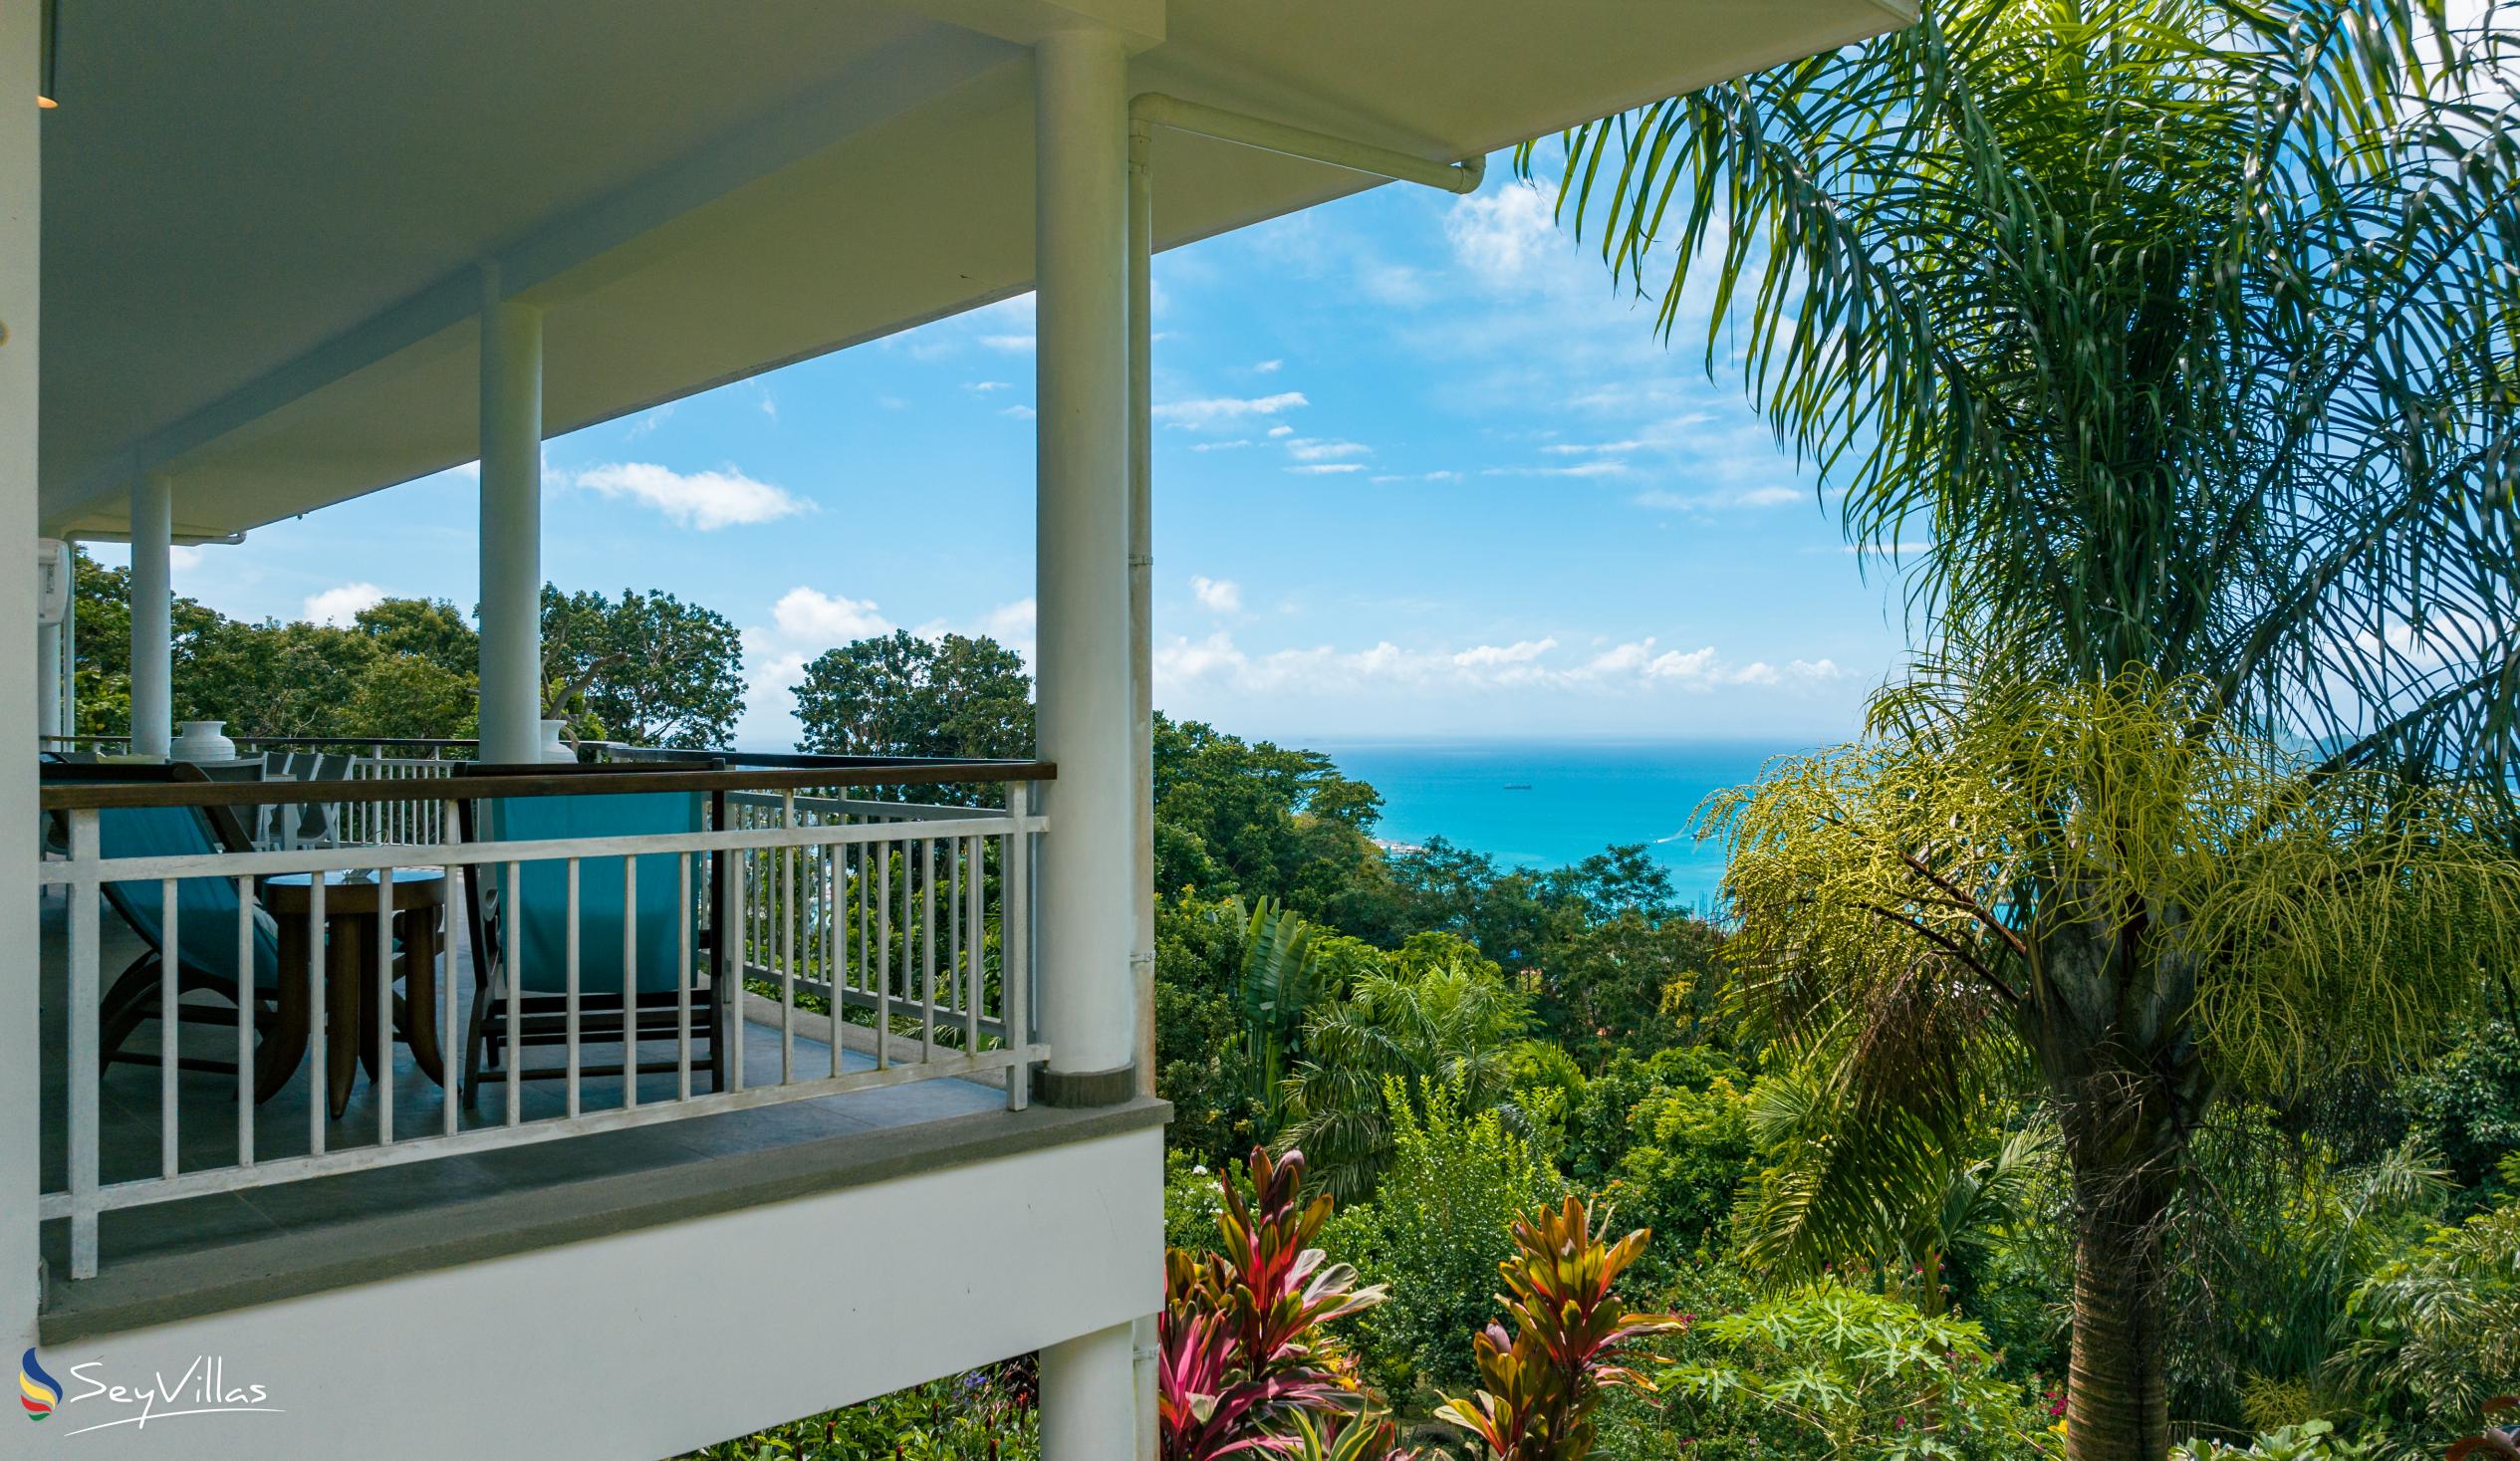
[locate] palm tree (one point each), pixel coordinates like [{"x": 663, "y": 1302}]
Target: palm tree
[
  {"x": 2170, "y": 344},
  {"x": 1403, "y": 1032}
]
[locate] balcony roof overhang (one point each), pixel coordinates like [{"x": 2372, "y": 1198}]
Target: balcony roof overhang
[{"x": 265, "y": 228}]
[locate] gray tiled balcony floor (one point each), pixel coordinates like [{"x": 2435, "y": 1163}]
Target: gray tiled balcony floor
[{"x": 130, "y": 1125}]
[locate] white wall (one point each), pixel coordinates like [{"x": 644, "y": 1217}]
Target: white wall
[
  {"x": 649, "y": 1344},
  {"x": 19, "y": 196}
]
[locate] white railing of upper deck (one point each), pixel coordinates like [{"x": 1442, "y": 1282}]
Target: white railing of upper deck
[{"x": 917, "y": 918}]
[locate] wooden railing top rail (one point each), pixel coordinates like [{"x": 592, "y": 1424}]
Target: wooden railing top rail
[{"x": 592, "y": 781}]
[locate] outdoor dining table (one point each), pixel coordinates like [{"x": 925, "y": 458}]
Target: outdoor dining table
[{"x": 351, "y": 970}]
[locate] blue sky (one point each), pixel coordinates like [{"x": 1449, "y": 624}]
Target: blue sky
[{"x": 1420, "y": 473}]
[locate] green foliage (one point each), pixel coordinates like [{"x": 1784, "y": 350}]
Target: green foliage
[
  {"x": 2466, "y": 1103},
  {"x": 985, "y": 1415},
  {"x": 1437, "y": 1230},
  {"x": 2434, "y": 1334},
  {"x": 647, "y": 670},
  {"x": 2312, "y": 1440},
  {"x": 1401, "y": 1034},
  {"x": 1897, "y": 1194},
  {"x": 2273, "y": 1238},
  {"x": 1691, "y": 1152},
  {"x": 903, "y": 695},
  {"x": 1540, "y": 1385},
  {"x": 1829, "y": 1371},
  {"x": 1264, "y": 822}
]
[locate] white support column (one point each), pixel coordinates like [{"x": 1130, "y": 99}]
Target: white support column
[
  {"x": 20, "y": 1028},
  {"x": 1087, "y": 1410},
  {"x": 1086, "y": 905},
  {"x": 511, "y": 525},
  {"x": 153, "y": 614}
]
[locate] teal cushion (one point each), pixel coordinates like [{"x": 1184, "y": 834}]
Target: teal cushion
[
  {"x": 533, "y": 918},
  {"x": 205, "y": 907}
]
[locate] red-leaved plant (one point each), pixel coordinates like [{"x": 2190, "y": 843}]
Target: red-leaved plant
[
  {"x": 1540, "y": 1387},
  {"x": 1243, "y": 1348}
]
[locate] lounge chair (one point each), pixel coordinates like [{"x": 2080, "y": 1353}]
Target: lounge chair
[
  {"x": 519, "y": 931},
  {"x": 206, "y": 927}
]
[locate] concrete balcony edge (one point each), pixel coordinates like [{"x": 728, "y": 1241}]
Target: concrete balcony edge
[{"x": 215, "y": 1280}]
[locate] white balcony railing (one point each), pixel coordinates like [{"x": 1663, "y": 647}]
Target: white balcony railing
[{"x": 907, "y": 924}]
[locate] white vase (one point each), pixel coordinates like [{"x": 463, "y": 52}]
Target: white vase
[
  {"x": 200, "y": 740},
  {"x": 552, "y": 748}
]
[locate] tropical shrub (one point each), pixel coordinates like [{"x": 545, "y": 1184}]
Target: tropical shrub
[
  {"x": 1831, "y": 1371},
  {"x": 1692, "y": 1151},
  {"x": 988, "y": 1414},
  {"x": 2435, "y": 1334},
  {"x": 2312, "y": 1440},
  {"x": 1438, "y": 1232},
  {"x": 1243, "y": 1341},
  {"x": 1540, "y": 1385}
]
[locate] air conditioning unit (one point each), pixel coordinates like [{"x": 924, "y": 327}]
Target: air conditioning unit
[{"x": 52, "y": 581}]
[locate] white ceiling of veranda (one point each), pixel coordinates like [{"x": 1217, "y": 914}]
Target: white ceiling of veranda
[{"x": 264, "y": 224}]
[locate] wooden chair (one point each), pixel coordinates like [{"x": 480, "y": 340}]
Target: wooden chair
[
  {"x": 519, "y": 931},
  {"x": 205, "y": 958}
]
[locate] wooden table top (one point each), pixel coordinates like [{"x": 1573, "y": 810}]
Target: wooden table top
[{"x": 414, "y": 887}]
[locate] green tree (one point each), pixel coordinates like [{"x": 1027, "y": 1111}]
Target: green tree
[
  {"x": 1265, "y": 821},
  {"x": 2173, "y": 335},
  {"x": 648, "y": 669},
  {"x": 903, "y": 695},
  {"x": 1407, "y": 1030},
  {"x": 429, "y": 629}
]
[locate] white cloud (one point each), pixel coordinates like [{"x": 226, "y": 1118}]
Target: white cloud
[
  {"x": 811, "y": 616},
  {"x": 1281, "y": 430},
  {"x": 1489, "y": 655},
  {"x": 1771, "y": 496},
  {"x": 1322, "y": 469},
  {"x": 1199, "y": 416},
  {"x": 1019, "y": 412},
  {"x": 985, "y": 387},
  {"x": 1010, "y": 344},
  {"x": 1602, "y": 468},
  {"x": 1268, "y": 367},
  {"x": 1309, "y": 449},
  {"x": 1595, "y": 448},
  {"x": 1218, "y": 596},
  {"x": 1418, "y": 477},
  {"x": 1635, "y": 667},
  {"x": 1501, "y": 237},
  {"x": 702, "y": 501},
  {"x": 340, "y": 605},
  {"x": 180, "y": 556},
  {"x": 1221, "y": 445}
]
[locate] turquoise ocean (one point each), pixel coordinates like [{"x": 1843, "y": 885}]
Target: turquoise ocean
[{"x": 1545, "y": 804}]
